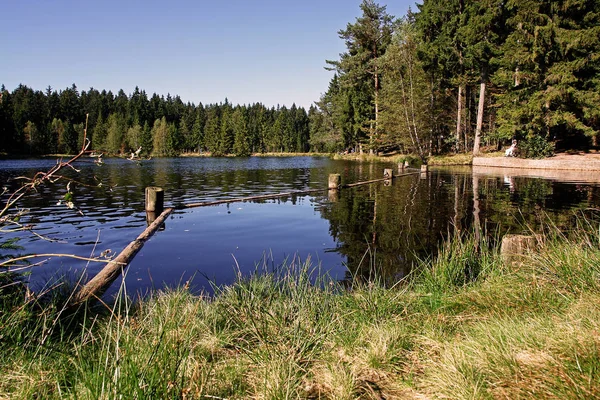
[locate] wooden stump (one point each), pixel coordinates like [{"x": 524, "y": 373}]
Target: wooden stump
[
  {"x": 388, "y": 173},
  {"x": 424, "y": 168},
  {"x": 155, "y": 199},
  {"x": 514, "y": 248},
  {"x": 334, "y": 181}
]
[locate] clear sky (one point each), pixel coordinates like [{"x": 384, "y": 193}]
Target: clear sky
[{"x": 268, "y": 51}]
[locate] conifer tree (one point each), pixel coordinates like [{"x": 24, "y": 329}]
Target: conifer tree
[
  {"x": 241, "y": 146},
  {"x": 366, "y": 41}
]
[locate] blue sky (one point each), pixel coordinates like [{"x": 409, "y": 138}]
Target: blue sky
[{"x": 269, "y": 51}]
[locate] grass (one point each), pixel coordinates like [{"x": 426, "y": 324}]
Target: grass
[
  {"x": 455, "y": 159},
  {"x": 465, "y": 326}
]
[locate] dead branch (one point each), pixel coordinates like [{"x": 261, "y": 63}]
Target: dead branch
[{"x": 45, "y": 255}]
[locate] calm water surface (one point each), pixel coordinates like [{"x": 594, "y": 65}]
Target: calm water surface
[{"x": 372, "y": 229}]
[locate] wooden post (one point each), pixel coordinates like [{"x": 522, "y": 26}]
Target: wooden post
[
  {"x": 388, "y": 173},
  {"x": 400, "y": 168},
  {"x": 406, "y": 164},
  {"x": 424, "y": 168},
  {"x": 334, "y": 181},
  {"x": 155, "y": 199}
]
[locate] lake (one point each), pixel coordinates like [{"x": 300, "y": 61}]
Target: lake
[{"x": 372, "y": 230}]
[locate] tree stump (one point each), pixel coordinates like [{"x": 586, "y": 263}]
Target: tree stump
[
  {"x": 514, "y": 248},
  {"x": 388, "y": 173}
]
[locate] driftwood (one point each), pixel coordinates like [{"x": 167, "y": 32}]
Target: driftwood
[{"x": 97, "y": 285}]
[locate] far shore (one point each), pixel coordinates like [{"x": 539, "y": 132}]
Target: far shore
[{"x": 582, "y": 161}]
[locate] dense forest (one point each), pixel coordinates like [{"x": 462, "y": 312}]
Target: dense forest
[
  {"x": 457, "y": 75},
  {"x": 36, "y": 122},
  {"x": 452, "y": 76}
]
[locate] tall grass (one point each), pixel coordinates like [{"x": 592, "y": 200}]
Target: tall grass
[{"x": 464, "y": 325}]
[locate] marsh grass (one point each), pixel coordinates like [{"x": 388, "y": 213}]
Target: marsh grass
[{"x": 464, "y": 325}]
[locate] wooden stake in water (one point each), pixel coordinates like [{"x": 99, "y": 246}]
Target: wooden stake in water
[
  {"x": 334, "y": 181},
  {"x": 388, "y": 173},
  {"x": 155, "y": 199}
]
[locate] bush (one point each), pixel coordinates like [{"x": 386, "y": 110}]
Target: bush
[{"x": 536, "y": 147}]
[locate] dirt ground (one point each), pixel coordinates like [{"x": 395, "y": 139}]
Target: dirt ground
[{"x": 579, "y": 156}]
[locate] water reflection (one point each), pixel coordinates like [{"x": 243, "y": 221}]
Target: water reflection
[{"x": 378, "y": 229}]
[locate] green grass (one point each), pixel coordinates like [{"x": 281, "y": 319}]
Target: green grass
[
  {"x": 463, "y": 326},
  {"x": 456, "y": 159}
]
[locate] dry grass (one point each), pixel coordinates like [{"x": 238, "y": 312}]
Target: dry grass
[{"x": 467, "y": 327}]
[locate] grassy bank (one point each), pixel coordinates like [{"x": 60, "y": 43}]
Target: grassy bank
[
  {"x": 413, "y": 160},
  {"x": 467, "y": 326}
]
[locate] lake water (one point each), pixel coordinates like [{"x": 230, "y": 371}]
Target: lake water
[{"x": 369, "y": 230}]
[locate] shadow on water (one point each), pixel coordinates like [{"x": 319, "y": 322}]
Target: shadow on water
[{"x": 373, "y": 230}]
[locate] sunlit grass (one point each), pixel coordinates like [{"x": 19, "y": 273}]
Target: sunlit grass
[
  {"x": 464, "y": 325},
  {"x": 455, "y": 159}
]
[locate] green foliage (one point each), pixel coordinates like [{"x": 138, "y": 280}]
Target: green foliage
[
  {"x": 160, "y": 137},
  {"x": 34, "y": 122},
  {"x": 536, "y": 146},
  {"x": 115, "y": 134}
]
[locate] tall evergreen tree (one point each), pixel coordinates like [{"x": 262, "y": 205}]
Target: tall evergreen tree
[
  {"x": 241, "y": 146},
  {"x": 366, "y": 41},
  {"x": 549, "y": 73}
]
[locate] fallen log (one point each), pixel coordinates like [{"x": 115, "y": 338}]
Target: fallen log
[{"x": 98, "y": 284}]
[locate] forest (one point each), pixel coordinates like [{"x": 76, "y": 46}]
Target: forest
[{"x": 452, "y": 76}]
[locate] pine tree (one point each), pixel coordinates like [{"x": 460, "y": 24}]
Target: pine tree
[
  {"x": 405, "y": 95},
  {"x": 549, "y": 71},
  {"x": 366, "y": 40},
  {"x": 241, "y": 147},
  {"x": 212, "y": 128},
  {"x": 197, "y": 135}
]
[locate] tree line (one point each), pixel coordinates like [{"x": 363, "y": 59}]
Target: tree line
[
  {"x": 33, "y": 122},
  {"x": 457, "y": 75},
  {"x": 453, "y": 76}
]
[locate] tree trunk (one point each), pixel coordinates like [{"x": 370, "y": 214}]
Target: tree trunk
[
  {"x": 480, "y": 108},
  {"x": 459, "y": 116}
]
